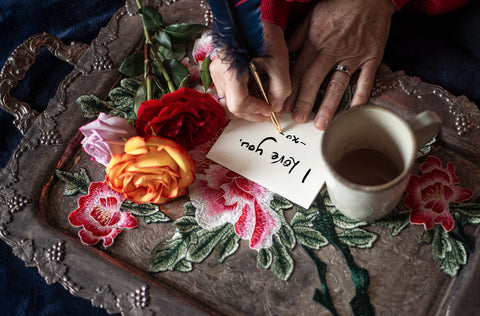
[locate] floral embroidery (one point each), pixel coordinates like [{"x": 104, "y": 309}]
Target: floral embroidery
[
  {"x": 429, "y": 195},
  {"x": 99, "y": 214},
  {"x": 222, "y": 196}
]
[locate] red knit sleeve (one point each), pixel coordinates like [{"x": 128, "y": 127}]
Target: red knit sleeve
[
  {"x": 275, "y": 11},
  {"x": 433, "y": 7}
]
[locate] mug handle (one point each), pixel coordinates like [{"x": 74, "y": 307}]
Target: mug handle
[{"x": 425, "y": 126}]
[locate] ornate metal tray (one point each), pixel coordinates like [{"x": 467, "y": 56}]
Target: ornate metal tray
[{"x": 404, "y": 277}]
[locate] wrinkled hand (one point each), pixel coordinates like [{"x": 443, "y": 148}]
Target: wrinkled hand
[
  {"x": 238, "y": 102},
  {"x": 352, "y": 33}
]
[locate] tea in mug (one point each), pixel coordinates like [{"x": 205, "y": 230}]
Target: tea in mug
[{"x": 367, "y": 167}]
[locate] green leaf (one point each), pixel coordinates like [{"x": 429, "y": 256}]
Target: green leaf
[
  {"x": 449, "y": 264},
  {"x": 183, "y": 266},
  {"x": 287, "y": 236},
  {"x": 151, "y": 213},
  {"x": 344, "y": 222},
  {"x": 396, "y": 221},
  {"x": 74, "y": 182},
  {"x": 133, "y": 65},
  {"x": 427, "y": 237},
  {"x": 358, "y": 237},
  {"x": 264, "y": 258},
  {"x": 300, "y": 219},
  {"x": 205, "y": 73},
  {"x": 152, "y": 19},
  {"x": 189, "y": 209},
  {"x": 163, "y": 39},
  {"x": 280, "y": 203},
  {"x": 91, "y": 106},
  {"x": 186, "y": 224},
  {"x": 183, "y": 32},
  {"x": 458, "y": 251},
  {"x": 227, "y": 246},
  {"x": 282, "y": 263},
  {"x": 468, "y": 210},
  {"x": 176, "y": 52},
  {"x": 140, "y": 96},
  {"x": 310, "y": 237},
  {"x": 206, "y": 242},
  {"x": 177, "y": 71},
  {"x": 168, "y": 253},
  {"x": 158, "y": 217},
  {"x": 440, "y": 243}
]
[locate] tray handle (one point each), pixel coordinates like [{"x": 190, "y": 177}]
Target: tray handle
[{"x": 17, "y": 65}]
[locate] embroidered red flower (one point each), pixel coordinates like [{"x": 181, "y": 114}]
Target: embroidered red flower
[
  {"x": 429, "y": 195},
  {"x": 222, "y": 196},
  {"x": 185, "y": 116},
  {"x": 100, "y": 215}
]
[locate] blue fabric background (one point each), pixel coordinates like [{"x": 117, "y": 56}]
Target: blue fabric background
[{"x": 443, "y": 50}]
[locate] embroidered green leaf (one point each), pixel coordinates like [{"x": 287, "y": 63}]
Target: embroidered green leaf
[
  {"x": 282, "y": 263},
  {"x": 427, "y": 237},
  {"x": 302, "y": 219},
  {"x": 426, "y": 148},
  {"x": 130, "y": 85},
  {"x": 183, "y": 266},
  {"x": 74, "y": 182},
  {"x": 449, "y": 265},
  {"x": 280, "y": 203},
  {"x": 469, "y": 210},
  {"x": 206, "y": 242},
  {"x": 264, "y": 258},
  {"x": 459, "y": 251},
  {"x": 168, "y": 253},
  {"x": 396, "y": 221},
  {"x": 228, "y": 245},
  {"x": 310, "y": 237},
  {"x": 440, "y": 243},
  {"x": 358, "y": 237},
  {"x": 186, "y": 224},
  {"x": 189, "y": 209},
  {"x": 158, "y": 217},
  {"x": 344, "y": 222},
  {"x": 287, "y": 236},
  {"x": 139, "y": 209},
  {"x": 91, "y": 106}
]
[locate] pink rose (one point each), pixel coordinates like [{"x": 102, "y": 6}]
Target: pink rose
[{"x": 106, "y": 136}]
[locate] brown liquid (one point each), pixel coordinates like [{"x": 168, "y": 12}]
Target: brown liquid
[{"x": 366, "y": 167}]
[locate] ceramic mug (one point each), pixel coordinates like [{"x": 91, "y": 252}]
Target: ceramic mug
[{"x": 369, "y": 154}]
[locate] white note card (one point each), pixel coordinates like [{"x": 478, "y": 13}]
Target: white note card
[{"x": 287, "y": 163}]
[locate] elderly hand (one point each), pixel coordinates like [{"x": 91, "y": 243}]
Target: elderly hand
[
  {"x": 350, "y": 33},
  {"x": 237, "y": 100}
]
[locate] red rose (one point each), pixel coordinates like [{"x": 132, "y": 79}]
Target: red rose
[{"x": 185, "y": 116}]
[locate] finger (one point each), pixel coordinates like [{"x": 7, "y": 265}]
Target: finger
[
  {"x": 277, "y": 66},
  {"x": 310, "y": 84},
  {"x": 365, "y": 83},
  {"x": 335, "y": 89},
  {"x": 303, "y": 61},
  {"x": 296, "y": 39}
]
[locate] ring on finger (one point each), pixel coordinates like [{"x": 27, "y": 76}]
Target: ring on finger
[
  {"x": 220, "y": 98},
  {"x": 342, "y": 68}
]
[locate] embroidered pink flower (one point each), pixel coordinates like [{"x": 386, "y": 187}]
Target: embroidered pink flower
[
  {"x": 100, "y": 215},
  {"x": 429, "y": 195},
  {"x": 222, "y": 196},
  {"x": 106, "y": 136},
  {"x": 203, "y": 47}
]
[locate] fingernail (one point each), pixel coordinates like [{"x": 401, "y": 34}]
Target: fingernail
[
  {"x": 320, "y": 123},
  {"x": 299, "y": 116}
]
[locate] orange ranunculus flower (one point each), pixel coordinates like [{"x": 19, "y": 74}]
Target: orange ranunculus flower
[{"x": 152, "y": 170}]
